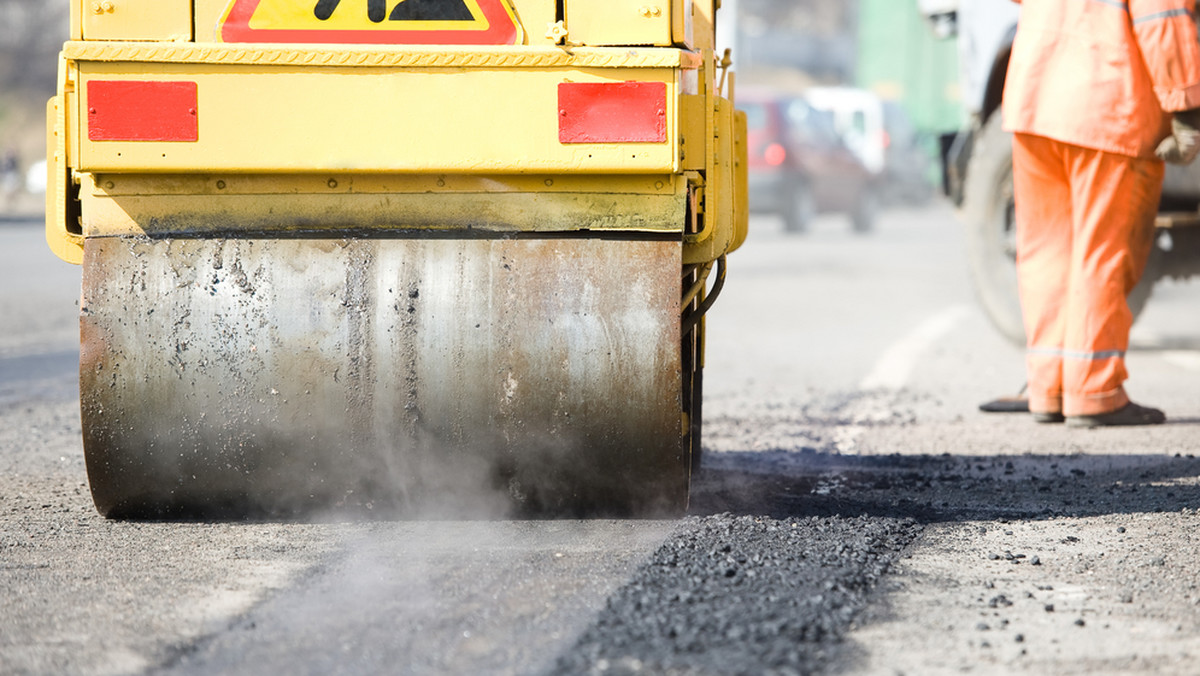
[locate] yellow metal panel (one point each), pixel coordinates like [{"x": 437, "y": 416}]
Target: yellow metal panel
[
  {"x": 703, "y": 24},
  {"x": 681, "y": 22},
  {"x": 264, "y": 215},
  {"x": 120, "y": 184},
  {"x": 741, "y": 187},
  {"x": 166, "y": 20},
  {"x": 722, "y": 227},
  {"x": 68, "y": 78},
  {"x": 76, "y": 9},
  {"x": 123, "y": 204},
  {"x": 693, "y": 132},
  {"x": 536, "y": 17},
  {"x": 368, "y": 55},
  {"x": 65, "y": 244},
  {"x": 264, "y": 119},
  {"x": 619, "y": 22},
  {"x": 207, "y": 13}
]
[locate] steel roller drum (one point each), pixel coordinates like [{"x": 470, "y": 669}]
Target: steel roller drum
[{"x": 423, "y": 377}]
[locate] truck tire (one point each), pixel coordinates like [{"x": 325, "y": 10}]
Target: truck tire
[
  {"x": 990, "y": 215},
  {"x": 988, "y": 210}
]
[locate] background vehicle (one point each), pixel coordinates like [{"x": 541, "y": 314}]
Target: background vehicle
[
  {"x": 35, "y": 178},
  {"x": 978, "y": 167},
  {"x": 799, "y": 166},
  {"x": 360, "y": 287},
  {"x": 883, "y": 137}
]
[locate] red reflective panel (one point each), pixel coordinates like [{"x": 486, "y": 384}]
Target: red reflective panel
[
  {"x": 612, "y": 112},
  {"x": 138, "y": 110}
]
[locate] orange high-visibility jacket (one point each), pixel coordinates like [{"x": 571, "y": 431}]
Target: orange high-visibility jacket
[{"x": 1103, "y": 74}]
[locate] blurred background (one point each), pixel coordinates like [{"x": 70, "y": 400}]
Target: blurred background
[
  {"x": 884, "y": 46},
  {"x": 849, "y": 104},
  {"x": 781, "y": 48},
  {"x": 31, "y": 34}
]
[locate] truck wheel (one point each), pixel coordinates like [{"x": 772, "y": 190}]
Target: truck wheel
[
  {"x": 990, "y": 214},
  {"x": 988, "y": 209}
]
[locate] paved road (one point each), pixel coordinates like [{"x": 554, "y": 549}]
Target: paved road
[{"x": 855, "y": 513}]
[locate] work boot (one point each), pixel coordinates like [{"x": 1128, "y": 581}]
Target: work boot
[
  {"x": 1130, "y": 414},
  {"x": 1018, "y": 403}
]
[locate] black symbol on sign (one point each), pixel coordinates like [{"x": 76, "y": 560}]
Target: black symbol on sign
[
  {"x": 324, "y": 8},
  {"x": 405, "y": 10}
]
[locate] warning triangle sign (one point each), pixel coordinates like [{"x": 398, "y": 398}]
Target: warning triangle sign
[{"x": 398, "y": 22}]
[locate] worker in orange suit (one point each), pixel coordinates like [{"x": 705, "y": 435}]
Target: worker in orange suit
[{"x": 1099, "y": 93}]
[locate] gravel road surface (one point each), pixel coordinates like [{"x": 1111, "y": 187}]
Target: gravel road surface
[{"x": 855, "y": 513}]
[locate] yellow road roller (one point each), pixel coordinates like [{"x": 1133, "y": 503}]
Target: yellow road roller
[{"x": 424, "y": 257}]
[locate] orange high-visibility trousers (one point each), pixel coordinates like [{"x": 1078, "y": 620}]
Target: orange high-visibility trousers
[{"x": 1085, "y": 226}]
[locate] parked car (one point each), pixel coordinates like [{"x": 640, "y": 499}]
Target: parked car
[
  {"x": 882, "y": 135},
  {"x": 799, "y": 166}
]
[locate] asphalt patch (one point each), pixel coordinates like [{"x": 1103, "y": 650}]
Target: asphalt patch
[{"x": 733, "y": 594}]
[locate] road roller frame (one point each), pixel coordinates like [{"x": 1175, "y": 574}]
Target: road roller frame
[{"x": 438, "y": 278}]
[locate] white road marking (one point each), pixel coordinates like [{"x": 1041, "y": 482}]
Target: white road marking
[
  {"x": 1185, "y": 359},
  {"x": 891, "y": 372},
  {"x": 892, "y": 369},
  {"x": 1145, "y": 338}
]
